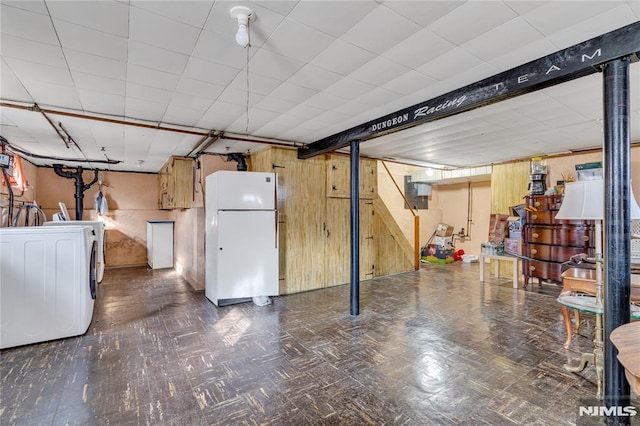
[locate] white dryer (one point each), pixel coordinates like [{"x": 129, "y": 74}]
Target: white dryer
[
  {"x": 98, "y": 229},
  {"x": 47, "y": 283}
]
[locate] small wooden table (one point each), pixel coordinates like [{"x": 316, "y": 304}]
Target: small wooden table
[
  {"x": 626, "y": 339},
  {"x": 496, "y": 267}
]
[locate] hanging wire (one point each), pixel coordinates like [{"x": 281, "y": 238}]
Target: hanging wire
[{"x": 246, "y": 128}]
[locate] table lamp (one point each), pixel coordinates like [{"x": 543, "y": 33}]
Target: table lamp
[{"x": 584, "y": 200}]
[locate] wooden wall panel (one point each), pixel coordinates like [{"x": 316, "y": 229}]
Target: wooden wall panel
[
  {"x": 394, "y": 253},
  {"x": 314, "y": 224},
  {"x": 337, "y": 246}
]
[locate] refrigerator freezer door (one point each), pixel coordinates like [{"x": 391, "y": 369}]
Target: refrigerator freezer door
[
  {"x": 245, "y": 190},
  {"x": 247, "y": 254}
]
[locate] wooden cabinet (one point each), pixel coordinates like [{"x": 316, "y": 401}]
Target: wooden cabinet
[
  {"x": 314, "y": 221},
  {"x": 549, "y": 242},
  {"x": 339, "y": 177},
  {"x": 175, "y": 184}
]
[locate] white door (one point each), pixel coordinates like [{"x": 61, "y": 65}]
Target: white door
[{"x": 247, "y": 254}]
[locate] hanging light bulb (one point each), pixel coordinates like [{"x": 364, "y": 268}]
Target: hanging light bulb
[{"x": 242, "y": 15}]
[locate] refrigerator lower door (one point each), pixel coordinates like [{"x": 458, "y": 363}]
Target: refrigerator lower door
[{"x": 247, "y": 255}]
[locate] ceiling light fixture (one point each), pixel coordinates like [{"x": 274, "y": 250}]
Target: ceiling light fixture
[{"x": 243, "y": 15}]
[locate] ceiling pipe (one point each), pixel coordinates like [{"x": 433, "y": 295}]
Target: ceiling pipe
[{"x": 38, "y": 109}]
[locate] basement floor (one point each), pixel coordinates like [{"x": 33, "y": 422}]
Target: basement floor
[{"x": 431, "y": 347}]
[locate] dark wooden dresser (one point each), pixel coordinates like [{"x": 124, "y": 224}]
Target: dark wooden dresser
[{"x": 548, "y": 242}]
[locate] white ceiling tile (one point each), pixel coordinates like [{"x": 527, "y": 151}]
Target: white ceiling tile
[
  {"x": 635, "y": 7},
  {"x": 31, "y": 72},
  {"x": 292, "y": 92},
  {"x": 551, "y": 17},
  {"x": 260, "y": 29},
  {"x": 91, "y": 41},
  {"x": 592, "y": 27},
  {"x": 189, "y": 101},
  {"x": 29, "y": 6},
  {"x": 325, "y": 101},
  {"x": 209, "y": 72},
  {"x": 193, "y": 13},
  {"x": 193, "y": 87},
  {"x": 101, "y": 102},
  {"x": 297, "y": 41},
  {"x": 273, "y": 65},
  {"x": 517, "y": 57},
  {"x": 352, "y": 107},
  {"x": 378, "y": 71},
  {"x": 503, "y": 39},
  {"x": 322, "y": 15},
  {"x": 406, "y": 83},
  {"x": 54, "y": 95},
  {"x": 156, "y": 58},
  {"x": 423, "y": 12},
  {"x": 222, "y": 49},
  {"x": 106, "y": 16},
  {"x": 220, "y": 114},
  {"x": 525, "y": 6},
  {"x": 418, "y": 49},
  {"x": 239, "y": 97},
  {"x": 152, "y": 78},
  {"x": 182, "y": 116},
  {"x": 451, "y": 63},
  {"x": 148, "y": 93},
  {"x": 162, "y": 32},
  {"x": 142, "y": 109},
  {"x": 314, "y": 77},
  {"x": 257, "y": 83},
  {"x": 24, "y": 24},
  {"x": 276, "y": 105},
  {"x": 305, "y": 112},
  {"x": 342, "y": 58},
  {"x": 32, "y": 51},
  {"x": 12, "y": 88},
  {"x": 380, "y": 30},
  {"x": 349, "y": 88},
  {"x": 96, "y": 65},
  {"x": 470, "y": 20},
  {"x": 281, "y": 7},
  {"x": 98, "y": 83}
]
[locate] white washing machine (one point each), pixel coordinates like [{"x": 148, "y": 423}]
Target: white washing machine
[
  {"x": 98, "y": 229},
  {"x": 47, "y": 283}
]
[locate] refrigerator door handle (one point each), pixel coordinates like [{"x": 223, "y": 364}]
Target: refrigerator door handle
[{"x": 276, "y": 217}]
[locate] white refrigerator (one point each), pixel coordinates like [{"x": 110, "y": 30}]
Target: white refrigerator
[{"x": 241, "y": 243}]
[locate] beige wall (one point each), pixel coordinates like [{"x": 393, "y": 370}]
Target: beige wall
[
  {"x": 190, "y": 227},
  {"x": 448, "y": 202},
  {"x": 19, "y": 197},
  {"x": 132, "y": 199}
]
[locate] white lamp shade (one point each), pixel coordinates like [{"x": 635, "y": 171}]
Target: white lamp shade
[{"x": 584, "y": 200}]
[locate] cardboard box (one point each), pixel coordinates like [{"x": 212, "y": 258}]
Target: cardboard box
[
  {"x": 513, "y": 246},
  {"x": 498, "y": 227},
  {"x": 444, "y": 230},
  {"x": 446, "y": 242}
]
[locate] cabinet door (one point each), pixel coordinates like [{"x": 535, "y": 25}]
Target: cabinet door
[
  {"x": 336, "y": 228},
  {"x": 339, "y": 177},
  {"x": 367, "y": 242},
  {"x": 302, "y": 214}
]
